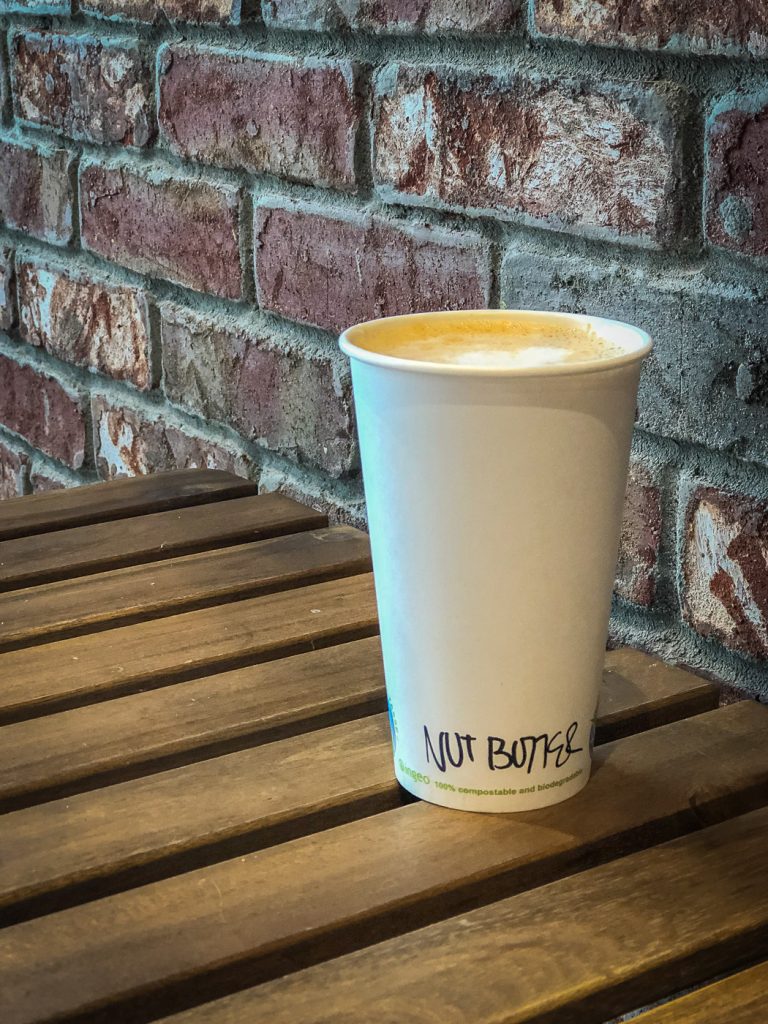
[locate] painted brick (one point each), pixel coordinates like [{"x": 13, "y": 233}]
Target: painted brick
[
  {"x": 185, "y": 230},
  {"x": 62, "y": 7},
  {"x": 13, "y": 469},
  {"x": 725, "y": 569},
  {"x": 334, "y": 271},
  {"x": 129, "y": 443},
  {"x": 294, "y": 118},
  {"x": 704, "y": 26},
  {"x": 85, "y": 322},
  {"x": 293, "y": 403},
  {"x": 35, "y": 191},
  {"x": 199, "y": 12},
  {"x": 640, "y": 538},
  {"x": 707, "y": 379},
  {"x": 42, "y": 411},
  {"x": 7, "y": 289},
  {"x": 88, "y": 89},
  {"x": 561, "y": 154},
  {"x": 737, "y": 174},
  {"x": 429, "y": 16}
]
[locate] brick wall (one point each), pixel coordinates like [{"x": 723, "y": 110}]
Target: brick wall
[{"x": 195, "y": 195}]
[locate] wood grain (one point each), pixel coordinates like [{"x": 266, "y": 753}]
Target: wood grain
[
  {"x": 579, "y": 950},
  {"x": 77, "y": 749},
  {"x": 97, "y": 503},
  {"x": 740, "y": 999},
  {"x": 139, "y": 593},
  {"x": 31, "y": 561},
  {"x": 343, "y": 883},
  {"x": 83, "y": 669}
]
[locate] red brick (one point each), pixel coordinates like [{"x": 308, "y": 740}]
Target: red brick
[
  {"x": 725, "y": 569},
  {"x": 83, "y": 87},
  {"x": 7, "y": 289},
  {"x": 566, "y": 155},
  {"x": 737, "y": 174},
  {"x": 13, "y": 469},
  {"x": 701, "y": 26},
  {"x": 640, "y": 537},
  {"x": 41, "y": 482},
  {"x": 35, "y": 191},
  {"x": 88, "y": 323},
  {"x": 430, "y": 16},
  {"x": 42, "y": 411},
  {"x": 293, "y": 403},
  {"x": 200, "y": 12},
  {"x": 294, "y": 118},
  {"x": 334, "y": 271},
  {"x": 130, "y": 443},
  {"x": 185, "y": 230}
]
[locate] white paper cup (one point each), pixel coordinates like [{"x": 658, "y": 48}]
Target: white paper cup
[{"x": 494, "y": 501}]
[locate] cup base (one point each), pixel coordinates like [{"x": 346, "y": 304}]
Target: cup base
[{"x": 515, "y": 799}]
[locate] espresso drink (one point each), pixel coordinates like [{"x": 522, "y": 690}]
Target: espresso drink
[{"x": 499, "y": 342}]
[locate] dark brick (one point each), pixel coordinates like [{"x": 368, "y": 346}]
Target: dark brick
[
  {"x": 273, "y": 114},
  {"x": 13, "y": 471},
  {"x": 200, "y": 12},
  {"x": 42, "y": 411},
  {"x": 130, "y": 443},
  {"x": 737, "y": 174},
  {"x": 185, "y": 230},
  {"x": 103, "y": 327},
  {"x": 7, "y": 289},
  {"x": 35, "y": 191},
  {"x": 725, "y": 569},
  {"x": 683, "y": 26},
  {"x": 640, "y": 537},
  {"x": 83, "y": 87},
  {"x": 562, "y": 154},
  {"x": 293, "y": 403},
  {"x": 334, "y": 271},
  {"x": 42, "y": 482},
  {"x": 707, "y": 379},
  {"x": 430, "y": 16}
]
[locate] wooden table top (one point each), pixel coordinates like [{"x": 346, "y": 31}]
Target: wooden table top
[{"x": 200, "y": 819}]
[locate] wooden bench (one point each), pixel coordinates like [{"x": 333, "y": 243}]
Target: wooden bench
[{"x": 200, "y": 817}]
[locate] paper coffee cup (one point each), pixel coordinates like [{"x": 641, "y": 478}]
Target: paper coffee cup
[{"x": 495, "y": 501}]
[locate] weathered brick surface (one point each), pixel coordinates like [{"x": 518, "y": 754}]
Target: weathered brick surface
[
  {"x": 42, "y": 411},
  {"x": 561, "y": 154},
  {"x": 61, "y": 7},
  {"x": 640, "y": 538},
  {"x": 35, "y": 191},
  {"x": 737, "y": 174},
  {"x": 129, "y": 443},
  {"x": 279, "y": 115},
  {"x": 335, "y": 271},
  {"x": 340, "y": 508},
  {"x": 200, "y": 12},
  {"x": 431, "y": 16},
  {"x": 185, "y": 230},
  {"x": 83, "y": 87},
  {"x": 725, "y": 566},
  {"x": 81, "y": 321},
  {"x": 13, "y": 467},
  {"x": 292, "y": 403},
  {"x": 41, "y": 482},
  {"x": 707, "y": 379},
  {"x": 7, "y": 289},
  {"x": 698, "y": 26}
]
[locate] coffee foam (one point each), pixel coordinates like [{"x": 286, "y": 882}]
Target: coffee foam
[{"x": 501, "y": 344}]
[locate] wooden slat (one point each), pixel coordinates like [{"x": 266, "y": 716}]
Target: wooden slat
[
  {"x": 31, "y": 561},
  {"x": 577, "y": 950},
  {"x": 96, "y": 503},
  {"x": 250, "y": 798},
  {"x": 194, "y": 936},
  {"x": 740, "y": 999},
  {"x": 82, "y": 669},
  {"x": 179, "y": 584},
  {"x": 61, "y": 753}
]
